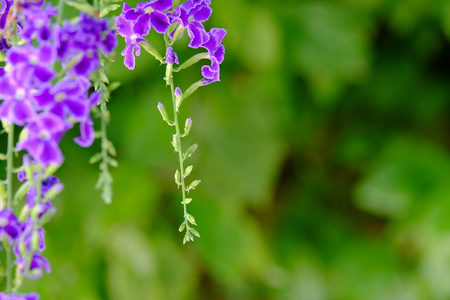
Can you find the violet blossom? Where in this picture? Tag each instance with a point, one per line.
(32, 296)
(10, 227)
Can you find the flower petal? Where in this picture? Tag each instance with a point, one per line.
(159, 21)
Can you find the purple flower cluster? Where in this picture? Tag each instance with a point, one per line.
(135, 23)
(45, 88)
(29, 231)
(27, 238)
(34, 93)
(32, 296)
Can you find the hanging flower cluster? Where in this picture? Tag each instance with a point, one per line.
(172, 20)
(135, 24)
(46, 89)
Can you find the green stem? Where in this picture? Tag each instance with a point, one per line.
(9, 199)
(60, 11)
(104, 165)
(35, 217)
(179, 149)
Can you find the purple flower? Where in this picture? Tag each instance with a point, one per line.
(67, 99)
(32, 296)
(87, 37)
(47, 184)
(39, 60)
(4, 45)
(25, 238)
(177, 92)
(86, 137)
(216, 53)
(125, 29)
(37, 23)
(4, 11)
(149, 14)
(17, 106)
(190, 15)
(135, 23)
(44, 133)
(30, 3)
(171, 57)
(10, 227)
(23, 249)
(38, 265)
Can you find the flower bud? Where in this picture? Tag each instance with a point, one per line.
(178, 98)
(187, 126)
(178, 32)
(163, 112)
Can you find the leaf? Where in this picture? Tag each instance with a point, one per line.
(191, 219)
(194, 232)
(177, 177)
(95, 158)
(175, 142)
(186, 201)
(194, 184)
(83, 6)
(113, 163)
(190, 151)
(111, 149)
(22, 191)
(108, 9)
(188, 171)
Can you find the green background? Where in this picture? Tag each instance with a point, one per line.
(323, 154)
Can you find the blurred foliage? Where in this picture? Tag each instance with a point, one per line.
(324, 159)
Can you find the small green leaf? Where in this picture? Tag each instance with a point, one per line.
(191, 219)
(108, 9)
(194, 232)
(189, 236)
(22, 191)
(194, 184)
(113, 86)
(95, 158)
(190, 151)
(182, 226)
(113, 163)
(83, 6)
(188, 171)
(175, 143)
(111, 149)
(177, 177)
(186, 201)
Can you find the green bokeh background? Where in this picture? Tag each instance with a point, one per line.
(323, 154)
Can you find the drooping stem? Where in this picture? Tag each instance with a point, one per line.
(60, 12)
(177, 145)
(9, 199)
(37, 183)
(106, 178)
